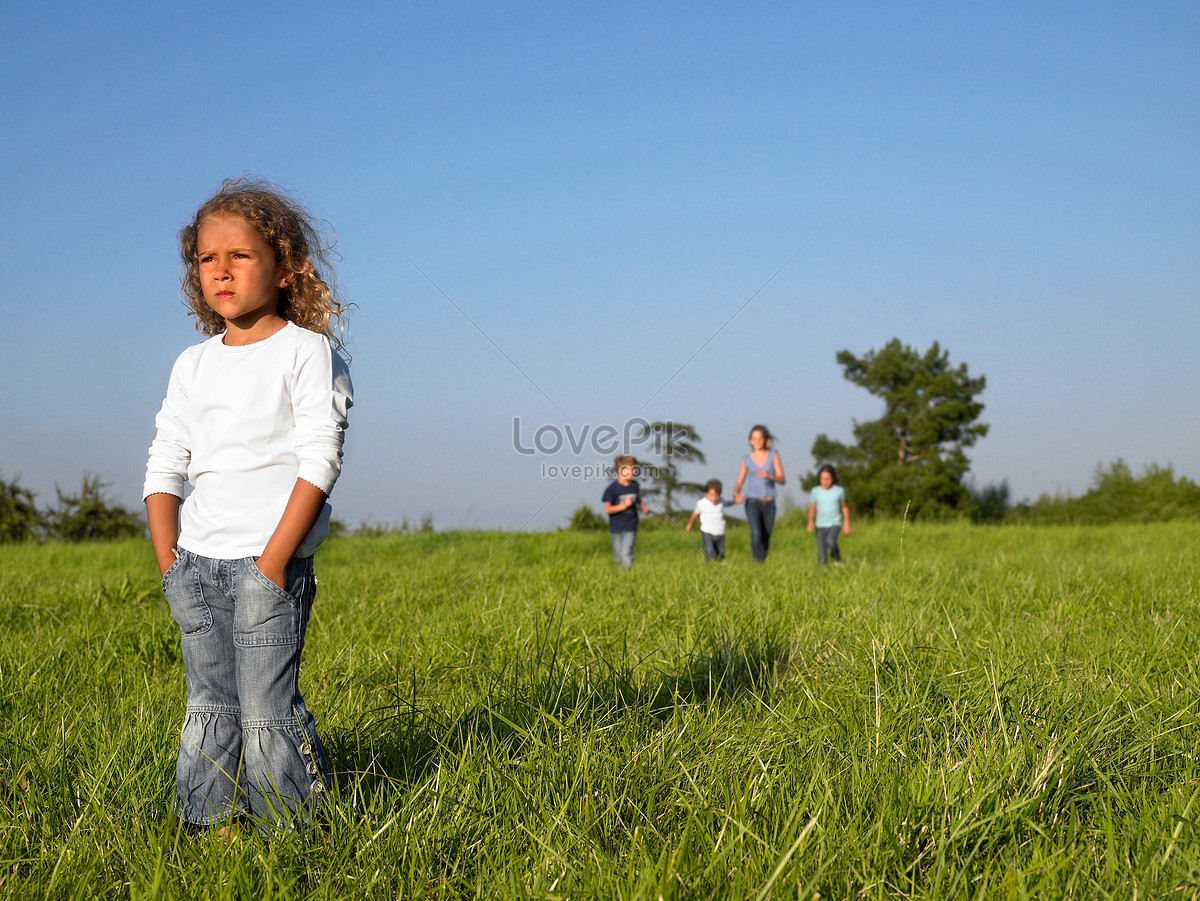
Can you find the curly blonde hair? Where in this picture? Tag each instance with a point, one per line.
(310, 298)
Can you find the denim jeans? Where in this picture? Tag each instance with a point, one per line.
(714, 546)
(827, 543)
(248, 743)
(760, 516)
(622, 545)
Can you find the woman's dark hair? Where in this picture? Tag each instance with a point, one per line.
(768, 438)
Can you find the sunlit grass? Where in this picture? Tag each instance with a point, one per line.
(958, 712)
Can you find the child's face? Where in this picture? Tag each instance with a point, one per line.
(625, 473)
(826, 479)
(239, 276)
(713, 495)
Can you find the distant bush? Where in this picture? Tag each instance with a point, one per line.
(991, 502)
(1118, 496)
(376, 529)
(90, 516)
(586, 519)
(20, 519)
(86, 516)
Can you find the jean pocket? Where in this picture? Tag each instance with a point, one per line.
(185, 596)
(170, 571)
(295, 581)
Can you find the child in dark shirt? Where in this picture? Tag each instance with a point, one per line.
(622, 499)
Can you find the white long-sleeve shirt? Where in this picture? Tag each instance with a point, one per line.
(241, 424)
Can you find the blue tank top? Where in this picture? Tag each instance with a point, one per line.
(754, 484)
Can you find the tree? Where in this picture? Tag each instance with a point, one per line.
(673, 442)
(992, 502)
(20, 519)
(90, 515)
(911, 459)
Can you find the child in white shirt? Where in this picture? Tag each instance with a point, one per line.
(254, 419)
(711, 511)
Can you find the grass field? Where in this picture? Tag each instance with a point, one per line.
(959, 712)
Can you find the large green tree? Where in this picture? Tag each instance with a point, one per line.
(673, 443)
(912, 458)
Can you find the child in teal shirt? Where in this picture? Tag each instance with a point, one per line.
(827, 513)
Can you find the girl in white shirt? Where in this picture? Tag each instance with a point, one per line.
(254, 420)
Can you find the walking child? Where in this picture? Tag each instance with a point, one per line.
(711, 511)
(254, 419)
(622, 499)
(827, 513)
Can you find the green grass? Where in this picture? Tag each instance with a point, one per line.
(959, 712)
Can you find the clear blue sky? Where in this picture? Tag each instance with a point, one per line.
(598, 189)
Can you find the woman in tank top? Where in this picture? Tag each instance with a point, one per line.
(761, 471)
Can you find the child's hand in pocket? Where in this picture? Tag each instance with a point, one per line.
(277, 574)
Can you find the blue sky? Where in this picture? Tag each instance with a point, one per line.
(595, 192)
